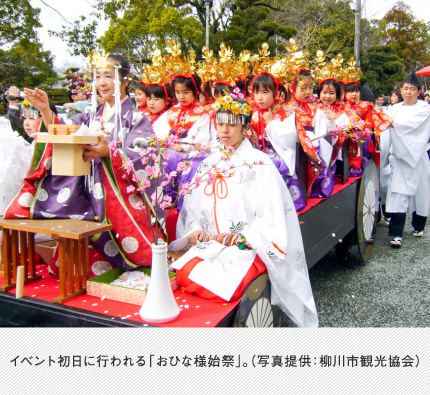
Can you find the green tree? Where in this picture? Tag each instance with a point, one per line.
(25, 64)
(138, 26)
(80, 36)
(146, 25)
(18, 20)
(251, 26)
(382, 68)
(412, 37)
(327, 25)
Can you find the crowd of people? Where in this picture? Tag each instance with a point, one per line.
(232, 126)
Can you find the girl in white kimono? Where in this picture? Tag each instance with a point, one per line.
(241, 222)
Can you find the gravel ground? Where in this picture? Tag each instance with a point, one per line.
(391, 290)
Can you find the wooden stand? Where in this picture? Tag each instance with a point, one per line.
(67, 155)
(72, 236)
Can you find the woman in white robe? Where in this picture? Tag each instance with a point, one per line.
(246, 196)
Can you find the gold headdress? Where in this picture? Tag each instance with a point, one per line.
(207, 68)
(283, 69)
(157, 72)
(175, 64)
(328, 70)
(244, 63)
(224, 70)
(296, 60)
(351, 74)
(95, 60)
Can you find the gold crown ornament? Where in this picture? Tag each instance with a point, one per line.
(95, 60)
(244, 63)
(328, 70)
(157, 72)
(175, 64)
(296, 60)
(351, 74)
(282, 68)
(226, 69)
(207, 68)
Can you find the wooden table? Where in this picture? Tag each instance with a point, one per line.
(72, 236)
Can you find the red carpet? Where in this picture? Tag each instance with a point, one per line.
(196, 312)
(337, 188)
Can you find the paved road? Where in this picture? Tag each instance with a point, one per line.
(391, 290)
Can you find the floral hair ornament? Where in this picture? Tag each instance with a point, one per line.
(27, 110)
(229, 110)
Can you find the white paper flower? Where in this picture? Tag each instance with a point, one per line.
(142, 174)
(77, 216)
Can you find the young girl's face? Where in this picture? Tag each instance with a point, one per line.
(353, 96)
(30, 123)
(202, 99)
(264, 97)
(328, 95)
(184, 95)
(140, 97)
(155, 104)
(303, 89)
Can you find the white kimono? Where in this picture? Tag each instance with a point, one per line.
(199, 132)
(283, 137)
(254, 201)
(410, 166)
(15, 159)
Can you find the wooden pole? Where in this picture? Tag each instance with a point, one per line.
(20, 281)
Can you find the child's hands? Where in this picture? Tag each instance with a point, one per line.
(329, 113)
